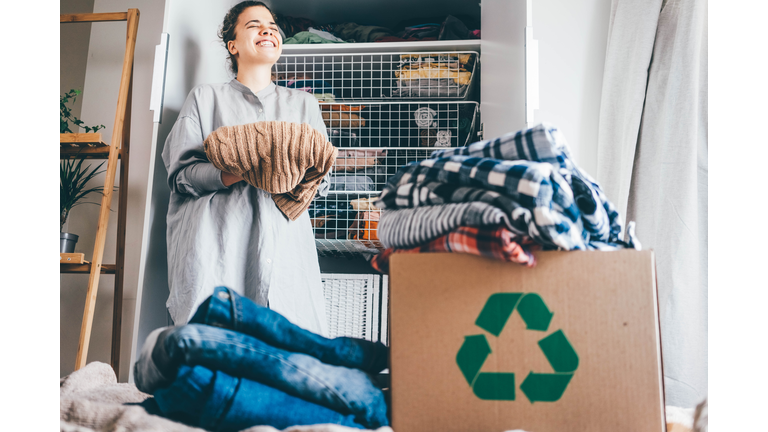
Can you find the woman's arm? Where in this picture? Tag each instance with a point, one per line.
(319, 125)
(189, 171)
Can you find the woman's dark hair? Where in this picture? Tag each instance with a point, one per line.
(227, 31)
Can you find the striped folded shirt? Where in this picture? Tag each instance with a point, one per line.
(492, 242)
(412, 227)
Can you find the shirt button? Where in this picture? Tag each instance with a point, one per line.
(223, 295)
(260, 110)
(269, 261)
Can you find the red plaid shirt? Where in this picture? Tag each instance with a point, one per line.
(497, 243)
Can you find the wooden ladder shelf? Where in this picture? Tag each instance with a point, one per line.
(91, 146)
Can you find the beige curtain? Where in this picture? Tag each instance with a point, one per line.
(652, 162)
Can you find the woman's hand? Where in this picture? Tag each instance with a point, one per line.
(229, 179)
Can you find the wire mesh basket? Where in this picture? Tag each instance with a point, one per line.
(380, 76)
(374, 140)
(353, 305)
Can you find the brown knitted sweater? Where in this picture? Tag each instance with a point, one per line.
(286, 159)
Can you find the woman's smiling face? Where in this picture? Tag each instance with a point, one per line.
(257, 39)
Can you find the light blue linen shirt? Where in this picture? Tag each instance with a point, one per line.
(237, 236)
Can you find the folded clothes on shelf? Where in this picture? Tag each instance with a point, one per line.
(342, 119)
(342, 138)
(355, 160)
(364, 204)
(351, 183)
(334, 225)
(445, 87)
(310, 37)
(325, 97)
(353, 32)
(354, 164)
(447, 59)
(325, 34)
(364, 228)
(460, 75)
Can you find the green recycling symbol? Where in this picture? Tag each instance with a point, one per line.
(537, 387)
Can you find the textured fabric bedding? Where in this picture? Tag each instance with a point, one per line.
(91, 400)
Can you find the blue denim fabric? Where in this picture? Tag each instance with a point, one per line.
(216, 401)
(341, 389)
(227, 309)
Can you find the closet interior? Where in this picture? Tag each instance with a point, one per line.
(384, 104)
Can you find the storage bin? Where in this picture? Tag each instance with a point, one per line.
(381, 76)
(374, 140)
(356, 305)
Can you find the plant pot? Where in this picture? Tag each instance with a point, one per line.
(68, 242)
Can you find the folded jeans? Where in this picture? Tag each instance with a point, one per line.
(341, 389)
(216, 401)
(229, 310)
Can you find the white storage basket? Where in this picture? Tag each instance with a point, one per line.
(381, 76)
(373, 144)
(354, 306)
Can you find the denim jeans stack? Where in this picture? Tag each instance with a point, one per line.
(237, 364)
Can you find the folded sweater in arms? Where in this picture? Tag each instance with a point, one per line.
(288, 160)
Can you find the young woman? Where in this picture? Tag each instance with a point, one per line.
(221, 230)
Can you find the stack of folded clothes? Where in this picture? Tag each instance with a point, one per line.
(433, 75)
(237, 364)
(433, 28)
(365, 226)
(346, 219)
(356, 160)
(331, 218)
(500, 198)
(342, 116)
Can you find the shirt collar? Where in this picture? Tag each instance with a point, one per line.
(269, 89)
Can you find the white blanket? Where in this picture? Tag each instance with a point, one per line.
(91, 400)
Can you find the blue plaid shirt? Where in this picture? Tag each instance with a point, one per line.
(558, 205)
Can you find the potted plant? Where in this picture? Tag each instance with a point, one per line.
(73, 189)
(73, 176)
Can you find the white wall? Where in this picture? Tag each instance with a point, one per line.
(102, 78)
(572, 37)
(73, 51)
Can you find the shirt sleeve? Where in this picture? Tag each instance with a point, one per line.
(189, 171)
(318, 123)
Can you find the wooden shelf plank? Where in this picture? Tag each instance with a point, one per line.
(84, 146)
(85, 268)
(86, 152)
(73, 258)
(94, 139)
(94, 17)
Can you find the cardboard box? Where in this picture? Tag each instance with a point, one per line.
(479, 345)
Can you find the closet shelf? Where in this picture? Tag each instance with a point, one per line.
(381, 47)
(83, 146)
(86, 268)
